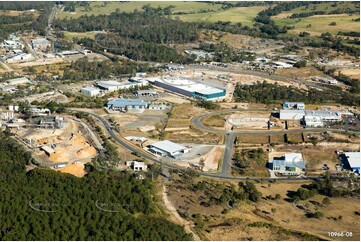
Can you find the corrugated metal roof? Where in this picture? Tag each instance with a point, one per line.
(353, 159)
(168, 146)
(122, 103)
(290, 160)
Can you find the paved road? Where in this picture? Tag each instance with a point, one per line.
(197, 122)
(148, 156)
(6, 67)
(231, 135)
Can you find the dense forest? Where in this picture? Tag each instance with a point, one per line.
(83, 69)
(274, 93)
(42, 204)
(137, 35)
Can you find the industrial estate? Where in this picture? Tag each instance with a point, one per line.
(180, 121)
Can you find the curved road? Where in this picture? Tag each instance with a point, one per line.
(231, 135)
(156, 160)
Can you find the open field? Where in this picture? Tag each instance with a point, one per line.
(242, 15)
(253, 139)
(289, 216)
(286, 222)
(100, 8)
(320, 24)
(214, 120)
(295, 137)
(326, 6)
(70, 35)
(353, 73)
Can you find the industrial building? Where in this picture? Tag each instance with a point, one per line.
(289, 164)
(19, 57)
(159, 107)
(112, 86)
(168, 148)
(294, 105)
(148, 92)
(127, 104)
(90, 91)
(40, 43)
(18, 81)
(40, 111)
(292, 114)
(189, 88)
(51, 122)
(311, 118)
(137, 165)
(9, 89)
(351, 161)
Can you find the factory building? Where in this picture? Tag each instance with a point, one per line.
(18, 81)
(294, 105)
(292, 114)
(289, 164)
(159, 107)
(40, 43)
(148, 92)
(351, 161)
(189, 88)
(19, 57)
(126, 104)
(90, 91)
(316, 118)
(112, 86)
(168, 148)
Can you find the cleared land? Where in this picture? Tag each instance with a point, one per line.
(101, 8)
(70, 35)
(242, 15)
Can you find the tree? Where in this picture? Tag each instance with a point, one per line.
(300, 64)
(326, 201)
(278, 196)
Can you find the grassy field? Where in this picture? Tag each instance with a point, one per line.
(70, 35)
(320, 24)
(252, 139)
(215, 120)
(242, 15)
(326, 6)
(99, 8)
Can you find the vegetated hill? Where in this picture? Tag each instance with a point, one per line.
(138, 35)
(46, 205)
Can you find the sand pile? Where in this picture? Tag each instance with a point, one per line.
(86, 152)
(74, 169)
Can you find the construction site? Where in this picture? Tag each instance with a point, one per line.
(66, 146)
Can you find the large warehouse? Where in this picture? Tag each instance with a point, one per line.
(189, 88)
(168, 148)
(112, 86)
(351, 160)
(120, 104)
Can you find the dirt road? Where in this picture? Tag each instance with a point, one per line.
(175, 217)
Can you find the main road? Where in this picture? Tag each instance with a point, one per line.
(222, 175)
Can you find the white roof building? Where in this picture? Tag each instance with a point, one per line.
(292, 114)
(189, 88)
(137, 165)
(168, 148)
(18, 81)
(90, 91)
(353, 160)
